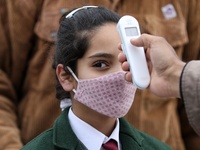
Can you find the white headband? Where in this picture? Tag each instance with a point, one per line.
(74, 11)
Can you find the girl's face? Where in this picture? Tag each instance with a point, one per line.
(102, 56)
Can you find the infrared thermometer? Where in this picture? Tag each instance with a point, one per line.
(128, 28)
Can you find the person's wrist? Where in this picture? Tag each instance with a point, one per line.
(174, 78)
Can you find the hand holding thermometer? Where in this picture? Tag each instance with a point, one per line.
(128, 28)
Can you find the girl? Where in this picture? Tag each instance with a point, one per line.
(88, 70)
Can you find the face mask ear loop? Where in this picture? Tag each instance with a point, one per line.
(70, 70)
(74, 90)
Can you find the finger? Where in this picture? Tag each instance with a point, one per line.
(120, 46)
(121, 57)
(143, 41)
(125, 66)
(128, 77)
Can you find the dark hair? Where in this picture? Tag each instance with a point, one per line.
(74, 34)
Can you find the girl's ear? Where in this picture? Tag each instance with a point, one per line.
(65, 79)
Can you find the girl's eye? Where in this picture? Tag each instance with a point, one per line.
(100, 64)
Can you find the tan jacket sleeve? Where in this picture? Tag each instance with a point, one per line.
(191, 93)
(9, 131)
(12, 63)
(192, 48)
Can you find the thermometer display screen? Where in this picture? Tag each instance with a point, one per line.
(131, 31)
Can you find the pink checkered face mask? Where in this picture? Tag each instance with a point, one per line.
(110, 95)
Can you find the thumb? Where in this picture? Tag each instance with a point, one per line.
(142, 41)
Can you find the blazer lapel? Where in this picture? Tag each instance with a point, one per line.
(63, 135)
(129, 137)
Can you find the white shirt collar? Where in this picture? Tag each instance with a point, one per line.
(88, 135)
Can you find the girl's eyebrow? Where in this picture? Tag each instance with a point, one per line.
(105, 55)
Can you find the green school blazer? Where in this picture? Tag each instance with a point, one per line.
(62, 137)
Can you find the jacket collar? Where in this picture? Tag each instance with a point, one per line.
(64, 137)
(129, 136)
